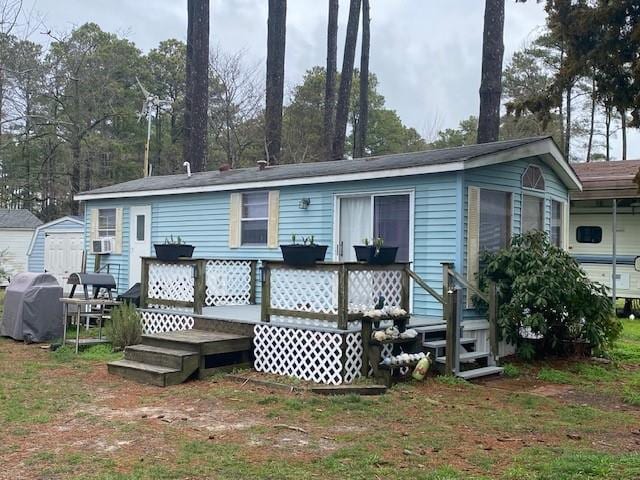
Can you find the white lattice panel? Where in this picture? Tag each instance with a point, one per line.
(311, 322)
(304, 290)
(228, 282)
(365, 286)
(159, 322)
(306, 354)
(171, 282)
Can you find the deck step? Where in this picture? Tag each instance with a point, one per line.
(480, 372)
(145, 373)
(438, 327)
(466, 357)
(443, 343)
(200, 341)
(163, 357)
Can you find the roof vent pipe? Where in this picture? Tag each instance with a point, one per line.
(188, 165)
(262, 164)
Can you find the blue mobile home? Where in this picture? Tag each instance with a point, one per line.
(436, 206)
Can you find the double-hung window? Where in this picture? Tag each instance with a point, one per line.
(254, 221)
(557, 226)
(106, 222)
(532, 213)
(495, 220)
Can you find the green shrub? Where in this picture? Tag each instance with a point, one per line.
(544, 294)
(511, 370)
(125, 327)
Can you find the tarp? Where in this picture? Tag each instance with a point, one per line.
(32, 308)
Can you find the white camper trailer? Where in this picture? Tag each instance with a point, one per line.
(605, 227)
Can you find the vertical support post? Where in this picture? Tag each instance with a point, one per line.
(265, 300)
(343, 297)
(493, 322)
(97, 260)
(405, 289)
(144, 283)
(252, 282)
(199, 285)
(458, 328)
(450, 308)
(614, 267)
(446, 266)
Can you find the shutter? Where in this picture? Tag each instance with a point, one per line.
(473, 239)
(235, 206)
(274, 219)
(119, 225)
(93, 227)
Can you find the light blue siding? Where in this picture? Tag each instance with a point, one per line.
(36, 258)
(439, 216)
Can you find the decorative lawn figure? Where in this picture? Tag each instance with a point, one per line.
(547, 303)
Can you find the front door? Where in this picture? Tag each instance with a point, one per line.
(139, 240)
(372, 215)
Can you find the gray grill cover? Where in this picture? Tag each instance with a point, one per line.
(32, 308)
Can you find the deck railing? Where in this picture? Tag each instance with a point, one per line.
(329, 293)
(193, 283)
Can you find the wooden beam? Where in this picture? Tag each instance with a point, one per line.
(265, 300)
(493, 320)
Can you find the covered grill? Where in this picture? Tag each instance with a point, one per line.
(32, 308)
(97, 281)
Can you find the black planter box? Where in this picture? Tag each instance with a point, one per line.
(303, 255)
(170, 251)
(367, 253)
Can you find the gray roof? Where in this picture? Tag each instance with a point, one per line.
(317, 169)
(20, 218)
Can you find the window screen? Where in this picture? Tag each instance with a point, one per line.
(106, 222)
(532, 213)
(391, 222)
(556, 223)
(255, 218)
(495, 220)
(587, 234)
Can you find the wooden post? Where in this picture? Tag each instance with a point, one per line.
(144, 284)
(265, 300)
(405, 290)
(493, 321)
(199, 285)
(451, 312)
(446, 266)
(252, 286)
(343, 297)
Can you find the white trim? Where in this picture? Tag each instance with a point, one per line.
(545, 149)
(51, 223)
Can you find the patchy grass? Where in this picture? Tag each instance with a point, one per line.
(511, 370)
(63, 416)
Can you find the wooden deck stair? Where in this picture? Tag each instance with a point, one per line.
(170, 358)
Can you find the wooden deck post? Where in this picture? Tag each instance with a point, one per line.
(199, 285)
(144, 284)
(252, 286)
(446, 266)
(265, 300)
(493, 321)
(343, 297)
(405, 289)
(451, 300)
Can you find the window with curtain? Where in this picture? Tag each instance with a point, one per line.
(532, 213)
(495, 220)
(556, 223)
(391, 222)
(254, 222)
(106, 222)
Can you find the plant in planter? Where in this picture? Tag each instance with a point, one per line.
(303, 254)
(375, 253)
(172, 249)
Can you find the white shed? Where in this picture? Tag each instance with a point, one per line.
(16, 229)
(56, 248)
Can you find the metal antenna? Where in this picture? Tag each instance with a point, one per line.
(152, 105)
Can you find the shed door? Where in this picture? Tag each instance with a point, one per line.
(139, 240)
(63, 254)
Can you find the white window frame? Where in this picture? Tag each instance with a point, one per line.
(562, 238)
(511, 212)
(540, 195)
(100, 232)
(249, 219)
(533, 189)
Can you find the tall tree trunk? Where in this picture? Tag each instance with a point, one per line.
(276, 44)
(567, 138)
(363, 116)
(491, 82)
(346, 77)
(75, 174)
(197, 86)
(607, 123)
(593, 117)
(330, 81)
(623, 118)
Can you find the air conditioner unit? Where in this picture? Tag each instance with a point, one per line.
(102, 246)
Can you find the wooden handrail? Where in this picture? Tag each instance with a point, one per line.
(418, 279)
(463, 281)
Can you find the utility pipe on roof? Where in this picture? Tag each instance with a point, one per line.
(614, 252)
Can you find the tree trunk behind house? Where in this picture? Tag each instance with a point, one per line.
(491, 81)
(623, 126)
(330, 81)
(197, 85)
(276, 42)
(346, 76)
(363, 117)
(567, 138)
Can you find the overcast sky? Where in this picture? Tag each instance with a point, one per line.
(426, 53)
